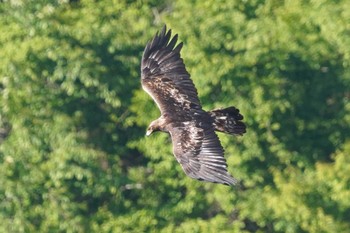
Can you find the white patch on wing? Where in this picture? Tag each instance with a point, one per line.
(194, 132)
(176, 94)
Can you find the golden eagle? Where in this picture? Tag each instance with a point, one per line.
(195, 144)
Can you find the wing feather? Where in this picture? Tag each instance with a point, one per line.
(200, 153)
(164, 76)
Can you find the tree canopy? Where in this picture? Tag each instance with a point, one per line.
(73, 156)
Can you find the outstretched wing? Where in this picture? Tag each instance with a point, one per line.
(197, 148)
(164, 76)
(195, 144)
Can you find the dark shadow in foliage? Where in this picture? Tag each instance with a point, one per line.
(104, 133)
(312, 126)
(5, 129)
(329, 206)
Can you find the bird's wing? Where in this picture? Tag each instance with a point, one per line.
(164, 76)
(197, 148)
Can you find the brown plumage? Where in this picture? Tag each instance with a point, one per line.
(195, 144)
(228, 120)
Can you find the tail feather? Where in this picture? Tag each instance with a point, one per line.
(228, 120)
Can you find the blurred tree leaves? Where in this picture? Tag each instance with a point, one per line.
(73, 156)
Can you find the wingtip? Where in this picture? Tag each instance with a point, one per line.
(178, 47)
(163, 30)
(232, 182)
(226, 179)
(160, 40)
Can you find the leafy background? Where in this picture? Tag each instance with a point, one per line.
(73, 156)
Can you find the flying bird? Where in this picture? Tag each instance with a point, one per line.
(195, 144)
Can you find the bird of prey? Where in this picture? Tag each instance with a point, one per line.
(195, 144)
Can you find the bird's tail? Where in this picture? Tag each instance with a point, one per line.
(228, 120)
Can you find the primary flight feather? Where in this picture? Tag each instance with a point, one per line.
(195, 144)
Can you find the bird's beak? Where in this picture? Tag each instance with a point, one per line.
(148, 133)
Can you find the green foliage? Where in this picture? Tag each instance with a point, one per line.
(73, 156)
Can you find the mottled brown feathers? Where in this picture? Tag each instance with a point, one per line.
(228, 120)
(195, 143)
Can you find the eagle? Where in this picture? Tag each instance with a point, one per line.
(195, 144)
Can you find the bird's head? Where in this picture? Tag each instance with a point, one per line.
(153, 127)
(149, 131)
(156, 125)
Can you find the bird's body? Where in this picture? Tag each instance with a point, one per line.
(195, 143)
